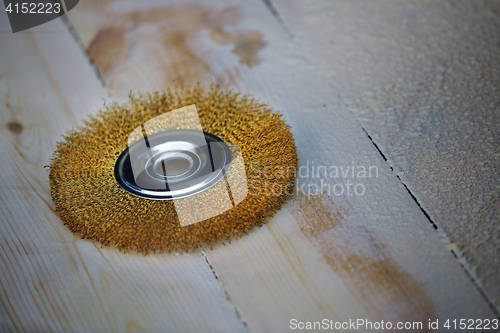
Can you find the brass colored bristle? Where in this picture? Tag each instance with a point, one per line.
(91, 202)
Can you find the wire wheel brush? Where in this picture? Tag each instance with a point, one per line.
(173, 171)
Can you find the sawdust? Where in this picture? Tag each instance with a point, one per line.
(362, 261)
(166, 36)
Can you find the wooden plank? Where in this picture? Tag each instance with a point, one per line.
(51, 280)
(423, 80)
(373, 256)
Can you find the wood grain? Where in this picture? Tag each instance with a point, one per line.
(372, 256)
(51, 280)
(383, 260)
(423, 80)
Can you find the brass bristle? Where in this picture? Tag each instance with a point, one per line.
(91, 202)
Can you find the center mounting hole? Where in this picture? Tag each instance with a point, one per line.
(172, 166)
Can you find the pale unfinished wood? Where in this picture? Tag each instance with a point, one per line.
(374, 256)
(50, 280)
(423, 80)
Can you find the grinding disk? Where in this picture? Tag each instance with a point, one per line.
(258, 157)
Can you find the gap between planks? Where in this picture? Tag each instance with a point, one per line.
(230, 272)
(459, 257)
(79, 42)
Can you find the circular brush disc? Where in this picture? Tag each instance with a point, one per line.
(92, 203)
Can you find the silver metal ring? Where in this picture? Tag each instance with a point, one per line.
(172, 164)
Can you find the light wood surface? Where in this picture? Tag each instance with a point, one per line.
(374, 256)
(423, 80)
(50, 280)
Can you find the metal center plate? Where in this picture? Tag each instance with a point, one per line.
(172, 164)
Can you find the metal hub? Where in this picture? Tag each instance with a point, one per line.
(172, 164)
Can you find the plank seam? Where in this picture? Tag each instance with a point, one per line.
(409, 192)
(478, 287)
(444, 236)
(468, 271)
(278, 18)
(82, 47)
(228, 298)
